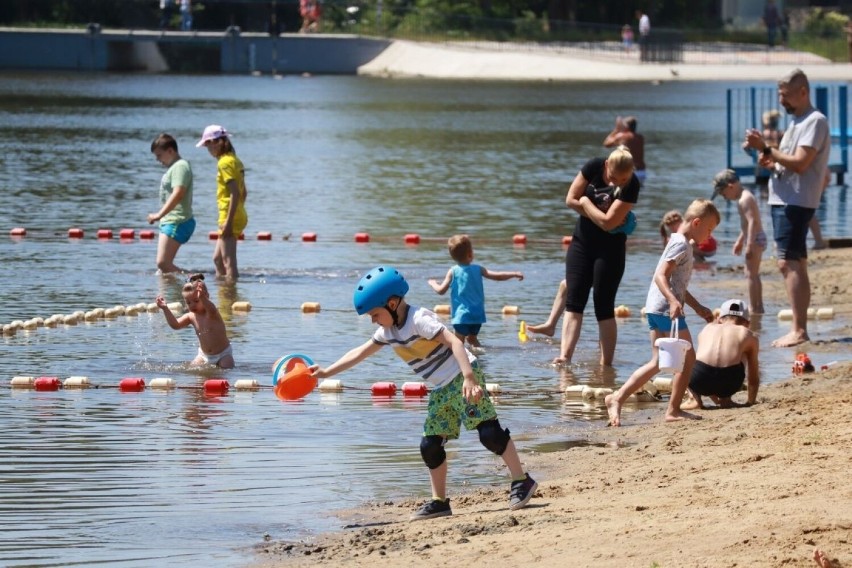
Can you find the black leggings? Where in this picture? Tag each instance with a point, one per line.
(599, 265)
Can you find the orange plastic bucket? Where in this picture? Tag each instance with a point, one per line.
(292, 379)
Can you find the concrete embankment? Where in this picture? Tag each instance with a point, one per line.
(190, 52)
(456, 61)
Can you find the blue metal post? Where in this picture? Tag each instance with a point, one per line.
(730, 132)
(843, 115)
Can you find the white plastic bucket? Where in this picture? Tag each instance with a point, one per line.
(672, 351)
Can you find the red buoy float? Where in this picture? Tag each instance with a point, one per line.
(18, 232)
(383, 389)
(519, 239)
(264, 236)
(362, 237)
(213, 235)
(146, 234)
(309, 237)
(216, 386)
(75, 233)
(127, 234)
(566, 240)
(104, 233)
(412, 239)
(47, 384)
(414, 389)
(132, 384)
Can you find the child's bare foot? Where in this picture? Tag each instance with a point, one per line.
(691, 404)
(547, 329)
(680, 415)
(791, 339)
(560, 362)
(821, 559)
(473, 341)
(613, 409)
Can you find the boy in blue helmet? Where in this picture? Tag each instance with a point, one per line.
(458, 385)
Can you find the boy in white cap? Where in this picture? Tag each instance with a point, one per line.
(726, 356)
(751, 241)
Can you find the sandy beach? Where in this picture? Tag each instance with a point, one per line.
(759, 486)
(407, 59)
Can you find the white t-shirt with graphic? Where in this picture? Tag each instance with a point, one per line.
(414, 342)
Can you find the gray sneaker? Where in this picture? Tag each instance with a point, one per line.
(521, 492)
(432, 509)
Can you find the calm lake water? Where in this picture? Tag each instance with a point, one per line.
(150, 478)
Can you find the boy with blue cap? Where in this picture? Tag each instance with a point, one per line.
(458, 385)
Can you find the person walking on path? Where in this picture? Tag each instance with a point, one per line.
(175, 214)
(772, 21)
(186, 15)
(798, 173)
(644, 34)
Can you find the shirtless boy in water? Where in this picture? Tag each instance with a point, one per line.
(214, 348)
(726, 355)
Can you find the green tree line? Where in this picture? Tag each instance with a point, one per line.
(254, 14)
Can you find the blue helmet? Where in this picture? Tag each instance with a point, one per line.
(376, 287)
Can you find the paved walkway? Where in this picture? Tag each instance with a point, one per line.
(507, 62)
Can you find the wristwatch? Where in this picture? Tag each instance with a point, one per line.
(767, 151)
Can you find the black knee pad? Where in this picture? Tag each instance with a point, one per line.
(493, 437)
(432, 451)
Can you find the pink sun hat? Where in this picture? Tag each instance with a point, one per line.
(213, 132)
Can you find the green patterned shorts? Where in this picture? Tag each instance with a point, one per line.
(448, 408)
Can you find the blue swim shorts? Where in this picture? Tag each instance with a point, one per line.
(179, 231)
(790, 225)
(467, 328)
(657, 322)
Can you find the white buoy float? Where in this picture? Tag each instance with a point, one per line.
(76, 383)
(162, 383)
(22, 382)
(247, 384)
(825, 313)
(330, 385)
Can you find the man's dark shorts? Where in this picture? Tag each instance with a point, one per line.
(790, 225)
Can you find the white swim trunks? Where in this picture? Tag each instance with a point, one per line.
(214, 359)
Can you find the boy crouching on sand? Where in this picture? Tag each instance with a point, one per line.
(458, 384)
(666, 297)
(726, 348)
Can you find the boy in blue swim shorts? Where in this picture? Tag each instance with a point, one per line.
(664, 306)
(458, 392)
(175, 214)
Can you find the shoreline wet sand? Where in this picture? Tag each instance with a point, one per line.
(759, 486)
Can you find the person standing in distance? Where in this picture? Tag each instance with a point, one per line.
(624, 133)
(644, 33)
(798, 172)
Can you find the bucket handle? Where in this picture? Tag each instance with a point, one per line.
(673, 333)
